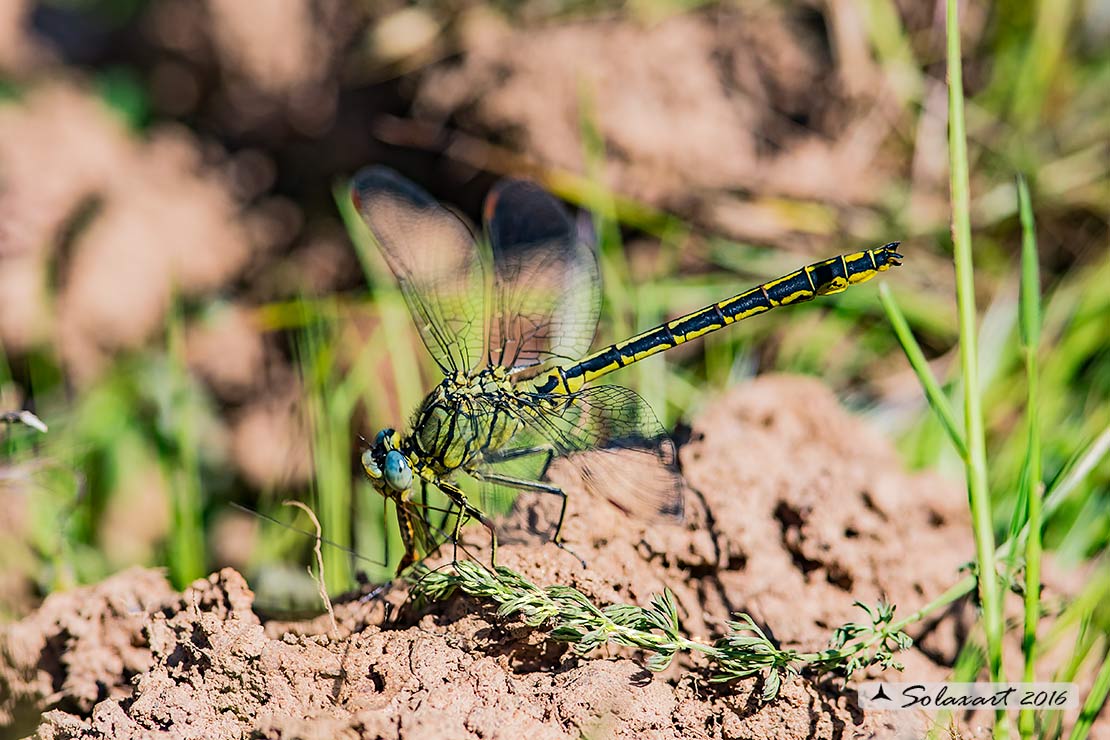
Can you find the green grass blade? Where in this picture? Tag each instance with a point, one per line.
(186, 546)
(331, 479)
(933, 392)
(1030, 296)
(396, 339)
(618, 301)
(395, 320)
(978, 493)
(1075, 622)
(1032, 489)
(1076, 472)
(1093, 705)
(1042, 58)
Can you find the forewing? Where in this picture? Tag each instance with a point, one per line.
(621, 449)
(435, 260)
(546, 286)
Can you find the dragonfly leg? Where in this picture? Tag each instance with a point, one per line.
(500, 456)
(539, 487)
(469, 511)
(446, 513)
(524, 484)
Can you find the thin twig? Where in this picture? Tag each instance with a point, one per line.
(319, 576)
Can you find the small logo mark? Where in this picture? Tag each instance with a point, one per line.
(880, 695)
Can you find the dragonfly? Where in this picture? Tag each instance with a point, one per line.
(509, 316)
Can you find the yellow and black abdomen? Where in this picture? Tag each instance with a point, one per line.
(821, 278)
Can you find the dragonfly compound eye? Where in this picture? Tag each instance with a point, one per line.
(385, 437)
(398, 473)
(370, 466)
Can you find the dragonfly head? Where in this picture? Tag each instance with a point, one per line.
(387, 466)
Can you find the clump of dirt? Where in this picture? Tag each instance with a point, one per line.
(795, 509)
(80, 648)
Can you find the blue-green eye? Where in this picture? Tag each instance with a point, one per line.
(398, 474)
(370, 466)
(383, 436)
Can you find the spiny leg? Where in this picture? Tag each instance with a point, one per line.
(446, 512)
(428, 508)
(538, 487)
(417, 531)
(467, 509)
(502, 456)
(548, 452)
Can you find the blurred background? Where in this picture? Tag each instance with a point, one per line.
(188, 303)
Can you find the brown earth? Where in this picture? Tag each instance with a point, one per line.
(795, 510)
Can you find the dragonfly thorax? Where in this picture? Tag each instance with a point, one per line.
(455, 425)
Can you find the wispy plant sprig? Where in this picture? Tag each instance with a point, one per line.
(745, 651)
(25, 418)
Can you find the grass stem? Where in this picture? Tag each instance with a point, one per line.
(1093, 705)
(186, 544)
(1033, 493)
(976, 465)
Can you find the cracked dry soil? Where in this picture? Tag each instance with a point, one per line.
(795, 509)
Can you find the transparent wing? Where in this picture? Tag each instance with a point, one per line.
(432, 253)
(546, 287)
(614, 438)
(526, 461)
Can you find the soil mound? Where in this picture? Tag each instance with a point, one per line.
(795, 510)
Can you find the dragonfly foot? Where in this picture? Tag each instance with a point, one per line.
(566, 549)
